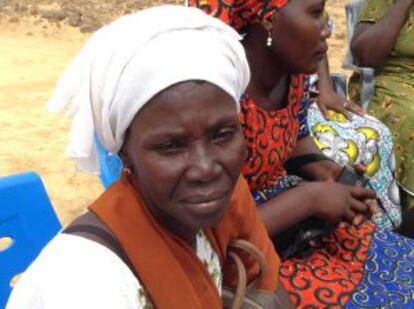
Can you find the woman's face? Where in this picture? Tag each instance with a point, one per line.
(299, 35)
(185, 149)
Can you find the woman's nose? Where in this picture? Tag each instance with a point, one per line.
(326, 31)
(203, 165)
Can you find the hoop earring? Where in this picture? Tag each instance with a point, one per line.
(269, 40)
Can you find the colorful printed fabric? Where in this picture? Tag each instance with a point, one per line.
(361, 140)
(262, 195)
(355, 267)
(350, 266)
(303, 112)
(271, 136)
(331, 273)
(393, 99)
(239, 13)
(388, 275)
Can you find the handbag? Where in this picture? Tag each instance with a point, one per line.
(298, 239)
(248, 296)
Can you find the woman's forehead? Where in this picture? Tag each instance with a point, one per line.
(194, 92)
(184, 103)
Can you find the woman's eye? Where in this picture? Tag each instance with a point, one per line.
(224, 135)
(169, 148)
(317, 14)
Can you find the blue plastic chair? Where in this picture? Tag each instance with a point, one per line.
(27, 223)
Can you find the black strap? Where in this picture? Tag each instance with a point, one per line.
(294, 164)
(91, 227)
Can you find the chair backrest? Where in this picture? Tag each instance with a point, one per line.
(352, 10)
(339, 84)
(27, 223)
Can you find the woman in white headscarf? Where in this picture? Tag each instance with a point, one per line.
(159, 236)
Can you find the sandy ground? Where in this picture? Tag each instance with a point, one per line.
(33, 55)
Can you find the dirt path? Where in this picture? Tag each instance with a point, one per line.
(34, 51)
(32, 138)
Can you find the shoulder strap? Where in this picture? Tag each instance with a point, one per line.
(91, 227)
(295, 163)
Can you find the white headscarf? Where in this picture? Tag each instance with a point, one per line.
(128, 62)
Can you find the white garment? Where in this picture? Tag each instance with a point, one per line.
(128, 62)
(74, 272)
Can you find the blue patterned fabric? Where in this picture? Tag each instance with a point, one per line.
(388, 280)
(261, 196)
(303, 112)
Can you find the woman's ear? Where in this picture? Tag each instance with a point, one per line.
(124, 157)
(123, 152)
(268, 25)
(126, 162)
(271, 23)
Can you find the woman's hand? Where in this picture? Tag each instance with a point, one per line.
(335, 171)
(335, 202)
(330, 100)
(373, 208)
(372, 205)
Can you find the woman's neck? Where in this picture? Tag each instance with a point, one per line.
(186, 234)
(269, 80)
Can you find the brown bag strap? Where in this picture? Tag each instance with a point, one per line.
(242, 286)
(241, 281)
(251, 249)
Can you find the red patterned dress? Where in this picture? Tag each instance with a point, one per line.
(271, 137)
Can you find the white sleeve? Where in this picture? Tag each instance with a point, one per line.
(74, 272)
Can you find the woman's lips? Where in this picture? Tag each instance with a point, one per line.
(322, 51)
(205, 204)
(319, 55)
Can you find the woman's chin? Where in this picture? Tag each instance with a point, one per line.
(307, 69)
(311, 69)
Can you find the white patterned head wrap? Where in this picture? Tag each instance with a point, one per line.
(128, 62)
